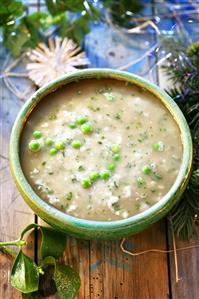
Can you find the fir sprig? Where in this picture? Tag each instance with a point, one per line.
(183, 69)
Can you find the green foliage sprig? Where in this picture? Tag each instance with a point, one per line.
(183, 69)
(31, 279)
(22, 31)
(70, 18)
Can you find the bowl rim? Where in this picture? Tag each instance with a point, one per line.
(49, 212)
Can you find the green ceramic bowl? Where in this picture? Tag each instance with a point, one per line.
(100, 229)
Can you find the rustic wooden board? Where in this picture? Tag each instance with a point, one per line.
(187, 260)
(14, 213)
(106, 272)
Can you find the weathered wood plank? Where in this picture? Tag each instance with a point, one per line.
(14, 213)
(77, 255)
(108, 273)
(188, 260)
(187, 265)
(144, 276)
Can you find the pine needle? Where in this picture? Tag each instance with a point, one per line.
(183, 69)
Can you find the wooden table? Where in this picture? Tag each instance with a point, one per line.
(106, 272)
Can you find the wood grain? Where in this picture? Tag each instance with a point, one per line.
(188, 263)
(188, 260)
(14, 213)
(106, 272)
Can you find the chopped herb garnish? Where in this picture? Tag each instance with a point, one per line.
(116, 206)
(98, 130)
(143, 136)
(116, 184)
(129, 165)
(81, 168)
(109, 96)
(43, 163)
(73, 179)
(140, 182)
(93, 108)
(117, 116)
(93, 98)
(52, 116)
(69, 196)
(157, 175)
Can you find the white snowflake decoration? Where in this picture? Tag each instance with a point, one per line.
(48, 63)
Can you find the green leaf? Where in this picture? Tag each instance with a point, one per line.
(9, 9)
(24, 274)
(53, 243)
(80, 29)
(15, 38)
(122, 11)
(27, 228)
(58, 6)
(66, 279)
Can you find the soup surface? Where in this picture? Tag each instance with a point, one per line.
(101, 149)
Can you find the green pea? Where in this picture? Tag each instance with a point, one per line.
(49, 141)
(60, 145)
(53, 151)
(86, 183)
(87, 128)
(37, 134)
(116, 157)
(76, 144)
(94, 176)
(111, 166)
(105, 175)
(34, 146)
(140, 182)
(81, 120)
(115, 148)
(72, 125)
(146, 169)
(156, 146)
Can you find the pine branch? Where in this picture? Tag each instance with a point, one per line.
(183, 70)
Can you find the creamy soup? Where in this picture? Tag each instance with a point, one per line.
(101, 149)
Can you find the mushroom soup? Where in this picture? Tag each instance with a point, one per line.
(101, 149)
